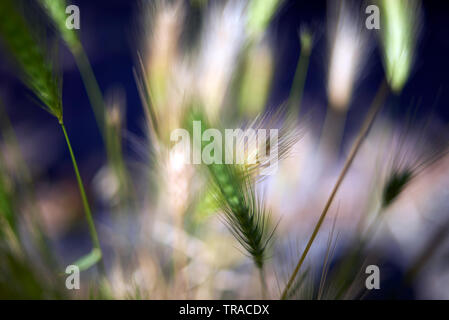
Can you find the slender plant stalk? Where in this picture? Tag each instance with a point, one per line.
(297, 90)
(90, 221)
(89, 218)
(114, 150)
(374, 109)
(115, 157)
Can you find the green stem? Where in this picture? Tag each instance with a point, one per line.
(90, 220)
(97, 103)
(296, 92)
(263, 282)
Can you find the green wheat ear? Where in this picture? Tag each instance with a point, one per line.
(244, 213)
(37, 70)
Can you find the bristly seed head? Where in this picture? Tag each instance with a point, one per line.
(395, 184)
(244, 213)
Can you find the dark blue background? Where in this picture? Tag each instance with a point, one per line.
(109, 34)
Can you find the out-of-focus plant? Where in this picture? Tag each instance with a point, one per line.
(347, 52)
(297, 89)
(397, 60)
(160, 37)
(122, 193)
(23, 180)
(8, 218)
(56, 10)
(226, 68)
(399, 35)
(257, 76)
(39, 74)
(260, 13)
(222, 40)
